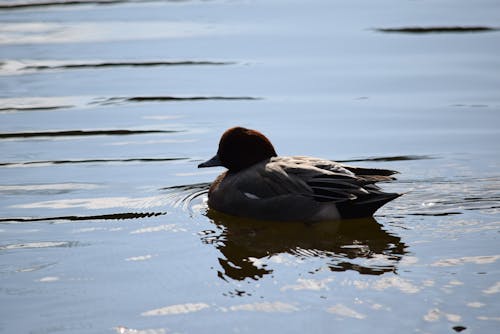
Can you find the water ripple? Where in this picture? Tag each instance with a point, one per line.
(444, 197)
(189, 197)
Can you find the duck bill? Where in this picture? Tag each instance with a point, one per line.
(214, 161)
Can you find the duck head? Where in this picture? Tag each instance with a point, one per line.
(240, 148)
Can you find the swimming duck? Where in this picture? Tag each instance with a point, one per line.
(259, 184)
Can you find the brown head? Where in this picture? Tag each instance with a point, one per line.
(240, 148)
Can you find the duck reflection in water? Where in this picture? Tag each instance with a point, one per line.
(361, 245)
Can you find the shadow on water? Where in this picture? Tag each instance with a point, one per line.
(360, 245)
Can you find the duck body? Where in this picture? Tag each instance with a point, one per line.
(265, 186)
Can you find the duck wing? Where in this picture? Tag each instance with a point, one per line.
(354, 192)
(321, 180)
(352, 189)
(360, 171)
(328, 181)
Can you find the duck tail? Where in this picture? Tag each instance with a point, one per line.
(365, 206)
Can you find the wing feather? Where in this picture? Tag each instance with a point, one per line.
(321, 180)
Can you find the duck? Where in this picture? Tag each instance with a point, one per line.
(260, 185)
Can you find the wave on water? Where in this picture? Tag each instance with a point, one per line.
(118, 100)
(112, 216)
(85, 161)
(442, 197)
(12, 67)
(188, 198)
(71, 133)
(21, 108)
(56, 103)
(14, 104)
(42, 3)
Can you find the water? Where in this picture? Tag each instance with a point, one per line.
(107, 107)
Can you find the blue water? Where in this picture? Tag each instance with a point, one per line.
(106, 109)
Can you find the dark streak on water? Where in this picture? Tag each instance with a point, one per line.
(86, 161)
(34, 108)
(22, 5)
(70, 133)
(113, 216)
(124, 64)
(134, 99)
(116, 100)
(437, 29)
(434, 214)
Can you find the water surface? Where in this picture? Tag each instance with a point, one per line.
(107, 107)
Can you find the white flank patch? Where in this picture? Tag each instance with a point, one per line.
(251, 196)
